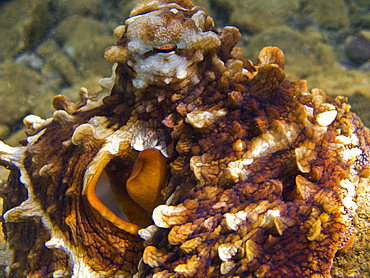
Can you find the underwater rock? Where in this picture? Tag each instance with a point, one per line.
(308, 56)
(304, 48)
(65, 8)
(17, 95)
(256, 16)
(357, 47)
(58, 69)
(328, 15)
(83, 39)
(220, 166)
(23, 24)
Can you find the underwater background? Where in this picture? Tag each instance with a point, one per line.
(51, 47)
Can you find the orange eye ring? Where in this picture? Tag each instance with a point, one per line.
(167, 48)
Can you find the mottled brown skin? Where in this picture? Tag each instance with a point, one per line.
(30, 256)
(257, 102)
(272, 180)
(59, 188)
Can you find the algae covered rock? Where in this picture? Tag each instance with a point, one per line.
(255, 16)
(307, 53)
(328, 14)
(65, 8)
(20, 87)
(84, 40)
(23, 23)
(58, 69)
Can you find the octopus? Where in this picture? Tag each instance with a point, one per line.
(215, 166)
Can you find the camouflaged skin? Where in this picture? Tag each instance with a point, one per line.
(262, 172)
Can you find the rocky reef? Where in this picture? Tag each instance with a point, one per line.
(190, 161)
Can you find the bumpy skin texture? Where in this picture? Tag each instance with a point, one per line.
(261, 173)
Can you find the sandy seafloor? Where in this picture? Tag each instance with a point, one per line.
(51, 47)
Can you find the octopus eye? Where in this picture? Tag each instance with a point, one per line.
(167, 48)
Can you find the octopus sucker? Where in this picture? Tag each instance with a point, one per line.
(213, 165)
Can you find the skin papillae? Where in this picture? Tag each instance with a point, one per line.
(222, 167)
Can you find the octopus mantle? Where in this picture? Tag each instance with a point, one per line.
(219, 167)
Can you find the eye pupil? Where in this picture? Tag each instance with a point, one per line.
(165, 49)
